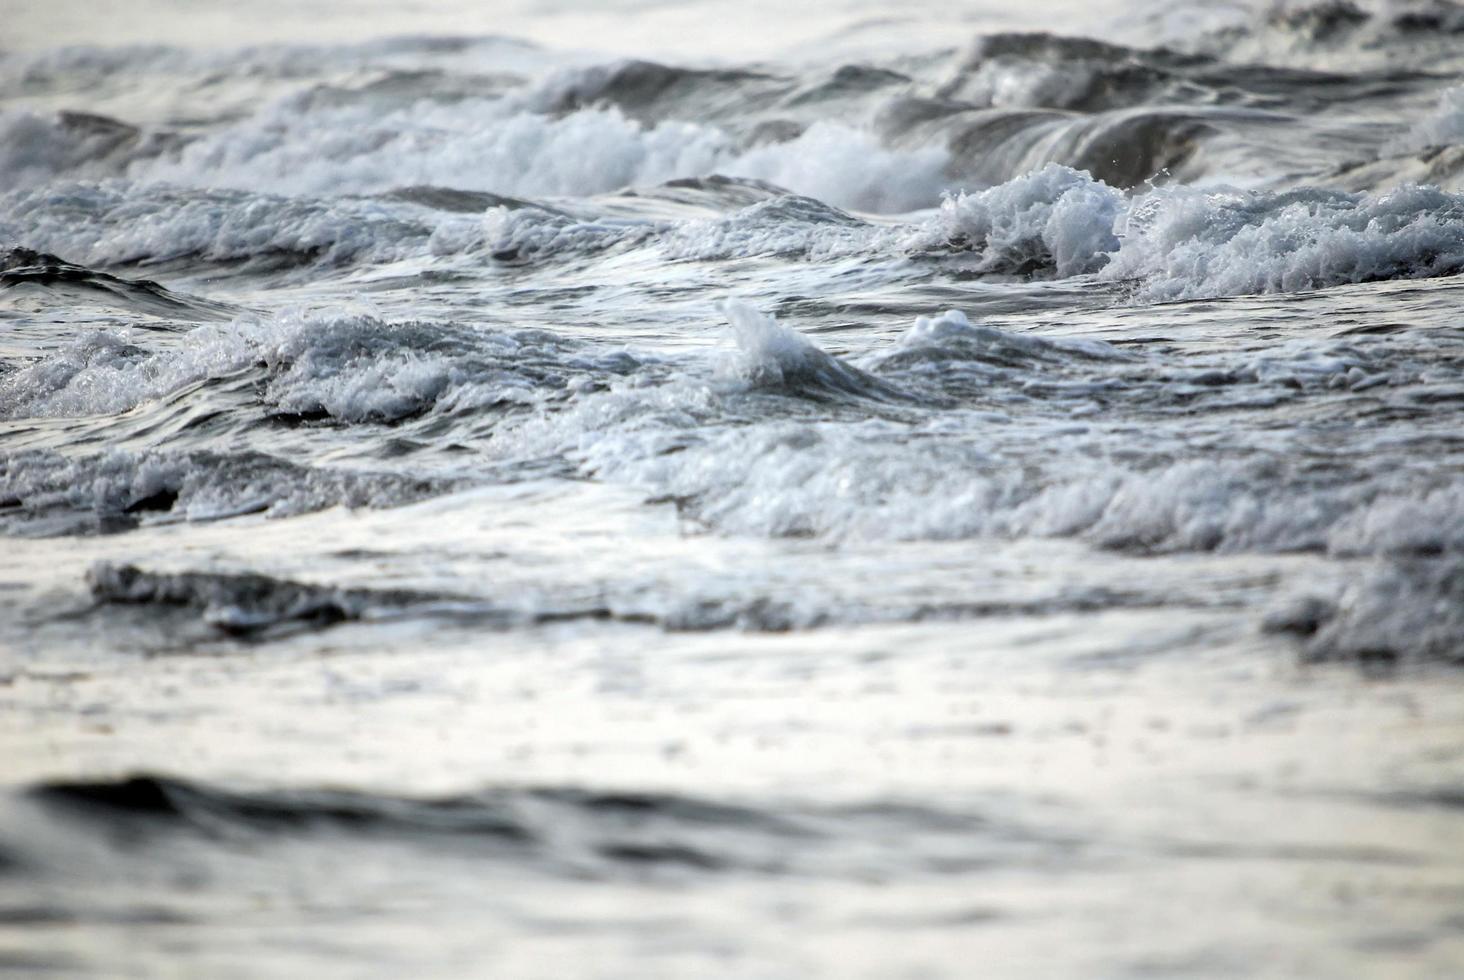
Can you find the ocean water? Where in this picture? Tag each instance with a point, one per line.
(711, 489)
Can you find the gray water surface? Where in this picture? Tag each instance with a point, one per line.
(626, 492)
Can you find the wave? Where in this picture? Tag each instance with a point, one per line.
(1435, 166)
(49, 280)
(514, 235)
(849, 168)
(714, 195)
(1161, 244)
(531, 144)
(1444, 127)
(908, 475)
(1341, 37)
(1165, 244)
(454, 200)
(1055, 219)
(651, 92)
(1393, 612)
(36, 147)
(774, 358)
(795, 480)
(430, 114)
(252, 605)
(347, 368)
(172, 90)
(1187, 244)
(939, 350)
(1017, 101)
(299, 147)
(756, 105)
(789, 226)
(296, 148)
(194, 607)
(116, 223)
(189, 609)
(897, 474)
(562, 829)
(1429, 151)
(1343, 34)
(45, 494)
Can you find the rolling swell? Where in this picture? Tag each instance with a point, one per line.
(38, 147)
(23, 271)
(562, 829)
(649, 92)
(1037, 70)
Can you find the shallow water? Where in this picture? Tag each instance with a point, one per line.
(619, 492)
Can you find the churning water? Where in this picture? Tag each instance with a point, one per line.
(679, 490)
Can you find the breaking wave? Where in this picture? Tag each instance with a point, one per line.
(1188, 243)
(902, 477)
(351, 368)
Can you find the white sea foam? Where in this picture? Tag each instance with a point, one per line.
(940, 476)
(1388, 610)
(1184, 243)
(1443, 127)
(1429, 522)
(305, 146)
(883, 480)
(1054, 218)
(848, 168)
(1188, 243)
(786, 225)
(484, 145)
(772, 356)
(298, 147)
(770, 351)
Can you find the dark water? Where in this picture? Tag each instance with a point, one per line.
(626, 492)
